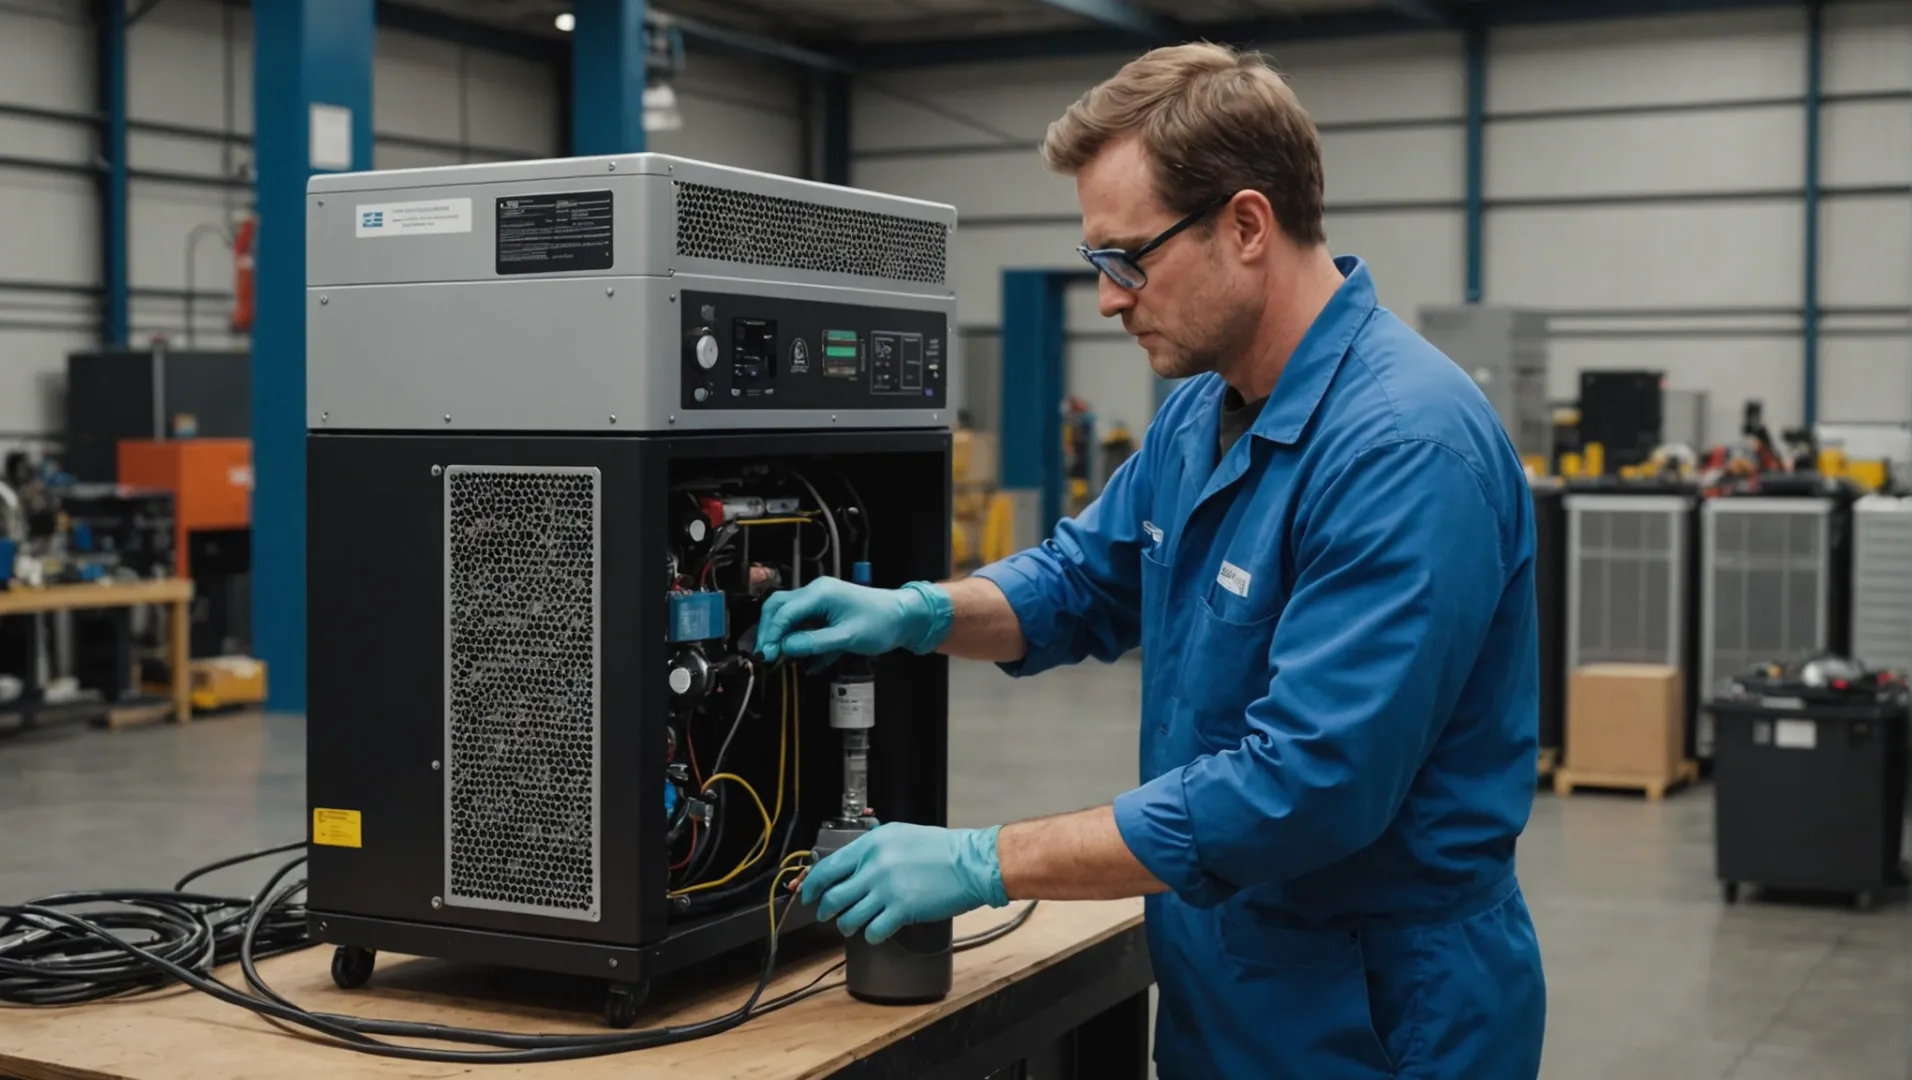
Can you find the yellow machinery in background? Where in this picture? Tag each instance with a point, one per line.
(982, 529)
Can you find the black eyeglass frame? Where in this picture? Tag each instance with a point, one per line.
(1104, 259)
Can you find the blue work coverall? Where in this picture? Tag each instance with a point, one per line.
(1339, 710)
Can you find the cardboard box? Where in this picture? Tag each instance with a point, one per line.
(1627, 720)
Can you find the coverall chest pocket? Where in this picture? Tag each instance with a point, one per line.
(1224, 668)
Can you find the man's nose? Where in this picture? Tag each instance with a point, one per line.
(1112, 299)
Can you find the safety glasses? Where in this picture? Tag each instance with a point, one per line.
(1124, 266)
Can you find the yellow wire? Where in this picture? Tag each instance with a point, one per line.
(785, 868)
(774, 521)
(742, 866)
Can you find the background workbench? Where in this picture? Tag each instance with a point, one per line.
(176, 594)
(1069, 989)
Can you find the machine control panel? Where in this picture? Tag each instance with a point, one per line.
(758, 352)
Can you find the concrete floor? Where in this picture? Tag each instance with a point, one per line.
(1649, 975)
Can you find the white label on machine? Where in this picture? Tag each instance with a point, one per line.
(1795, 734)
(414, 218)
(853, 705)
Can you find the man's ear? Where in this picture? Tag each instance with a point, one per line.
(1250, 221)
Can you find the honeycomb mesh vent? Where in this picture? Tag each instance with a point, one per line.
(521, 695)
(738, 226)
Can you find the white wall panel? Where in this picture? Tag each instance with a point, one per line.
(1394, 166)
(970, 104)
(1730, 370)
(1674, 256)
(44, 140)
(165, 215)
(1866, 142)
(49, 227)
(1112, 376)
(1865, 378)
(511, 104)
(1732, 150)
(1652, 61)
(977, 184)
(1415, 77)
(984, 252)
(415, 86)
(33, 377)
(1416, 259)
(47, 60)
(737, 114)
(1865, 251)
(176, 63)
(387, 155)
(1868, 46)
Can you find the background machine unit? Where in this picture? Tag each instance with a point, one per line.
(1623, 411)
(1882, 582)
(1775, 585)
(570, 422)
(152, 393)
(1631, 593)
(1506, 352)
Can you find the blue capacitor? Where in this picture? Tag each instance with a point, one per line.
(696, 616)
(860, 573)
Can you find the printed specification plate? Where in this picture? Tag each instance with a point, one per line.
(550, 234)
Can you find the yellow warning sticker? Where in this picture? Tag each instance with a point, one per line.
(335, 828)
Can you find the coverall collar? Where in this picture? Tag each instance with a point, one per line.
(1304, 382)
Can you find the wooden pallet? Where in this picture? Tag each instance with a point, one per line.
(1549, 761)
(1654, 787)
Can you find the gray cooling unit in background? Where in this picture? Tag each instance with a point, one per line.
(1882, 582)
(1628, 586)
(1769, 585)
(1505, 351)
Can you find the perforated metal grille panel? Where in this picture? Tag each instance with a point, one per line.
(738, 226)
(522, 571)
(1626, 569)
(1882, 582)
(1768, 594)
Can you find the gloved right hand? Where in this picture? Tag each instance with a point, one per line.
(856, 619)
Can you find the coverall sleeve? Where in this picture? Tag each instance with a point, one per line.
(1079, 593)
(1398, 573)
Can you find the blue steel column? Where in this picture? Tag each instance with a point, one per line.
(309, 52)
(608, 75)
(115, 197)
(1809, 321)
(1476, 155)
(1032, 387)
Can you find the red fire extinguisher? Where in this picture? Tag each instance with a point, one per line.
(242, 238)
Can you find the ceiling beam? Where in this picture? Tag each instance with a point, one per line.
(1118, 15)
(1426, 11)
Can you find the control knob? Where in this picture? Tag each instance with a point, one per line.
(706, 350)
(701, 394)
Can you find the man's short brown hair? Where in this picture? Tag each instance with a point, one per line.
(1214, 121)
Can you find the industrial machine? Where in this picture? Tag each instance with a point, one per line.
(211, 483)
(1622, 412)
(1505, 350)
(1632, 578)
(570, 423)
(1882, 582)
(1776, 581)
(151, 393)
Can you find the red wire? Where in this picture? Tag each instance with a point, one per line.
(696, 770)
(685, 861)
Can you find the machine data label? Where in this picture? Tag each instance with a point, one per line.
(549, 234)
(375, 220)
(335, 828)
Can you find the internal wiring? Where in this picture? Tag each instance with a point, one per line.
(750, 686)
(763, 842)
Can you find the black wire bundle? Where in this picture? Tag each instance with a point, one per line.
(47, 961)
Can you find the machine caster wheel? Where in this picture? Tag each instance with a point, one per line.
(1729, 891)
(352, 966)
(1863, 901)
(623, 1001)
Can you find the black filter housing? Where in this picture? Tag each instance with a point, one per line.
(378, 713)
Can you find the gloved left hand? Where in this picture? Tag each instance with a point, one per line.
(900, 874)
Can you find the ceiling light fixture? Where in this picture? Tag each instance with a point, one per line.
(566, 21)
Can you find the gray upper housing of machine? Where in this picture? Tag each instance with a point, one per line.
(422, 313)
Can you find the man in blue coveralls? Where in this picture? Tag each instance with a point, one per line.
(1324, 548)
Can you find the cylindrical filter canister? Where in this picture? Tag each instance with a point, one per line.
(853, 698)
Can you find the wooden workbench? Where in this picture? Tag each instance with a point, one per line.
(173, 593)
(1068, 988)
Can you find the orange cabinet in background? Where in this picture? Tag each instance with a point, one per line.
(211, 482)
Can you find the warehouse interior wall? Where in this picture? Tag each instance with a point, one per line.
(434, 103)
(1643, 184)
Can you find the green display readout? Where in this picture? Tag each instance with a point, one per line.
(845, 351)
(840, 335)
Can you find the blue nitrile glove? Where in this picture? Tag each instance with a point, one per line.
(900, 874)
(856, 619)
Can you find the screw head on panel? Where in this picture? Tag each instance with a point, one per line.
(437, 470)
(324, 416)
(833, 418)
(324, 300)
(613, 418)
(613, 961)
(324, 926)
(610, 166)
(672, 418)
(673, 298)
(447, 418)
(435, 766)
(670, 271)
(321, 202)
(610, 290)
(437, 903)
